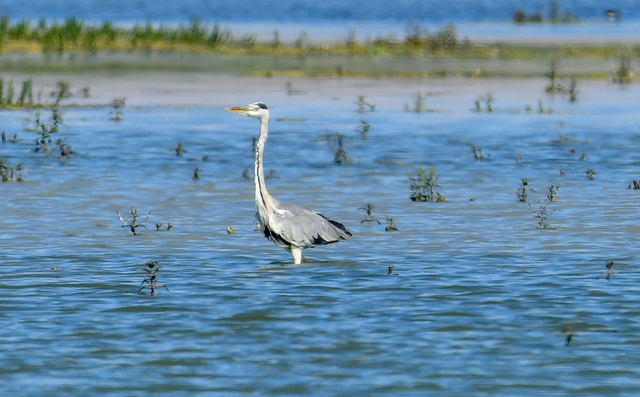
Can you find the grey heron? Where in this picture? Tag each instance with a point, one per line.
(288, 226)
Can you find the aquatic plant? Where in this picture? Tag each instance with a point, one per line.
(478, 105)
(26, 95)
(351, 38)
(552, 75)
(635, 185)
(554, 14)
(392, 225)
(75, 35)
(6, 100)
(179, 149)
(303, 40)
(522, 190)
(419, 37)
(61, 92)
(419, 104)
(553, 193)
(521, 17)
(390, 270)
(12, 173)
(570, 90)
(590, 174)
(13, 139)
(220, 36)
(363, 106)
(117, 105)
(291, 90)
(44, 130)
(196, 174)
(623, 75)
(416, 35)
(151, 275)
(65, 150)
(445, 39)
(569, 333)
(487, 100)
(609, 272)
(276, 43)
(84, 92)
(336, 144)
(134, 223)
(542, 215)
(363, 130)
(562, 139)
(423, 186)
(542, 110)
(477, 152)
(368, 209)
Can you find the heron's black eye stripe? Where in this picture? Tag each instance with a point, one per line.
(262, 105)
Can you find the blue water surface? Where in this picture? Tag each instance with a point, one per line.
(301, 11)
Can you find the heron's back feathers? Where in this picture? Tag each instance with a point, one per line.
(302, 227)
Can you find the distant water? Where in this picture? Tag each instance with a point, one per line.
(334, 19)
(434, 11)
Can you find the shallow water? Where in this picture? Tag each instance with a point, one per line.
(479, 295)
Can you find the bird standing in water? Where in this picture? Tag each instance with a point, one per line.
(288, 226)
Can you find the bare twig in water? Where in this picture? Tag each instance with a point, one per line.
(608, 273)
(369, 218)
(134, 223)
(363, 106)
(151, 276)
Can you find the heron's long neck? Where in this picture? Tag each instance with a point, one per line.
(262, 196)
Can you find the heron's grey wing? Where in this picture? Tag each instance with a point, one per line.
(304, 228)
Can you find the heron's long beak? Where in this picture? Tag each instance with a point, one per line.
(238, 109)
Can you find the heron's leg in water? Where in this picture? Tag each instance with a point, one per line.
(296, 252)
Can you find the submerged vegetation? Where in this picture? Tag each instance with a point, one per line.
(337, 147)
(44, 131)
(488, 102)
(364, 106)
(151, 275)
(423, 186)
(542, 217)
(10, 173)
(419, 104)
(522, 190)
(117, 105)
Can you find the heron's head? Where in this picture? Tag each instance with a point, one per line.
(258, 110)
